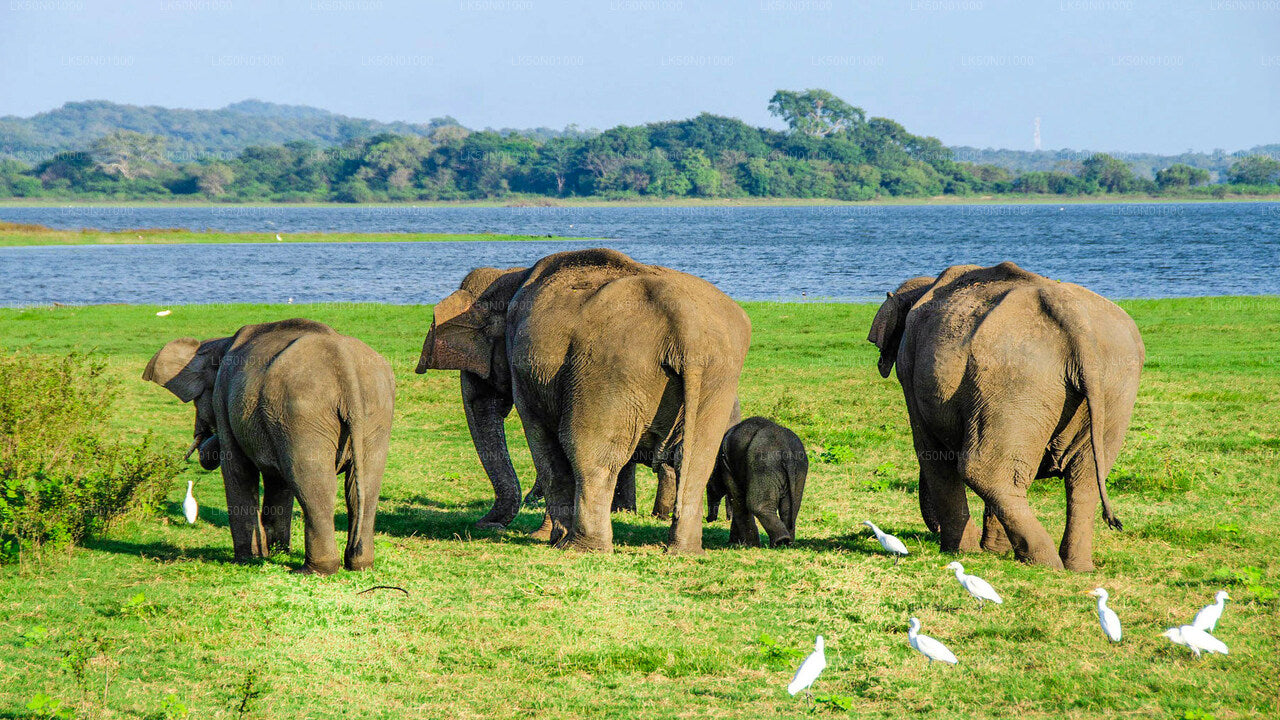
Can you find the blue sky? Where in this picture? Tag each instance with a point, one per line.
(1100, 74)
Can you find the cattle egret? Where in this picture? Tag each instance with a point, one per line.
(278, 238)
(189, 507)
(976, 586)
(163, 313)
(929, 647)
(810, 669)
(890, 543)
(1196, 639)
(1106, 616)
(1207, 618)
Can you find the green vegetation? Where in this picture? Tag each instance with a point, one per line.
(152, 620)
(61, 479)
(831, 150)
(13, 234)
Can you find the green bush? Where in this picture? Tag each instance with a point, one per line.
(61, 480)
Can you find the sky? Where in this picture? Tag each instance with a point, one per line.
(1123, 75)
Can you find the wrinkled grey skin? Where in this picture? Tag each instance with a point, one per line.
(1010, 377)
(624, 496)
(606, 359)
(295, 403)
(762, 470)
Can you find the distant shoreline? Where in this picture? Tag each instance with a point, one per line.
(540, 203)
(16, 235)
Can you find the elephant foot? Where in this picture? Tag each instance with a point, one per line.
(1078, 564)
(323, 567)
(784, 541)
(994, 537)
(356, 564)
(581, 543)
(971, 539)
(678, 549)
(1049, 560)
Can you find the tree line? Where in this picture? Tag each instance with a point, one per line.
(831, 149)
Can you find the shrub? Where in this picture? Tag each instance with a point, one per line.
(61, 480)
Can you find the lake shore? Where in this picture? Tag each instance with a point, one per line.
(20, 235)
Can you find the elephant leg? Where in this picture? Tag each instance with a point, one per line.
(928, 509)
(362, 490)
(714, 495)
(240, 480)
(1076, 550)
(315, 482)
(664, 503)
(624, 493)
(277, 511)
(945, 490)
(995, 539)
(700, 448)
(595, 475)
(742, 522)
(536, 493)
(1002, 482)
(556, 477)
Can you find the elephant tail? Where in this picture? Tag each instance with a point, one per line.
(1090, 383)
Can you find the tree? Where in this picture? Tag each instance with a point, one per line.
(1181, 175)
(213, 179)
(1110, 173)
(816, 113)
(127, 153)
(1254, 170)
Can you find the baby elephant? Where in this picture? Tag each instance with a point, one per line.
(762, 467)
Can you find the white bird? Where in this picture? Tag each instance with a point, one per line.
(189, 507)
(810, 669)
(890, 543)
(929, 647)
(976, 586)
(290, 301)
(1106, 616)
(1196, 639)
(163, 313)
(1207, 618)
(278, 238)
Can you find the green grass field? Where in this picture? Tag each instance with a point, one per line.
(155, 616)
(15, 234)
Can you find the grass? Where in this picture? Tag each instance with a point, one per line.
(17, 234)
(154, 616)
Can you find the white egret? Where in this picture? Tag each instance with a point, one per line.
(189, 507)
(810, 669)
(1207, 618)
(976, 586)
(163, 313)
(890, 543)
(929, 647)
(1106, 616)
(278, 238)
(1196, 639)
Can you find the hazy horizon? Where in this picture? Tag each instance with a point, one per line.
(1106, 75)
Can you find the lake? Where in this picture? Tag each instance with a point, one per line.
(752, 253)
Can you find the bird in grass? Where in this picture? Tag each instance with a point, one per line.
(929, 647)
(890, 543)
(810, 669)
(278, 238)
(1106, 616)
(164, 313)
(1196, 639)
(1207, 618)
(976, 586)
(189, 507)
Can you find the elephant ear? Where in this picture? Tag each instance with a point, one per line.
(460, 337)
(886, 330)
(184, 366)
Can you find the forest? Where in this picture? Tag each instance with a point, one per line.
(830, 149)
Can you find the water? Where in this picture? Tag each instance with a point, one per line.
(773, 253)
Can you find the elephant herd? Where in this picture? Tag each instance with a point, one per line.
(1007, 376)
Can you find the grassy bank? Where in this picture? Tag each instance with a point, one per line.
(16, 234)
(541, 201)
(497, 626)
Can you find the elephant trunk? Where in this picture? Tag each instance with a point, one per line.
(486, 409)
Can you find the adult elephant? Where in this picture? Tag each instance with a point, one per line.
(297, 403)
(1010, 377)
(606, 359)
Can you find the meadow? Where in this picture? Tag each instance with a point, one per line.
(154, 621)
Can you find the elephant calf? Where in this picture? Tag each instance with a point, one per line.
(297, 403)
(762, 469)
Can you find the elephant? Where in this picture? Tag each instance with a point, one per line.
(297, 403)
(1010, 377)
(762, 468)
(605, 359)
